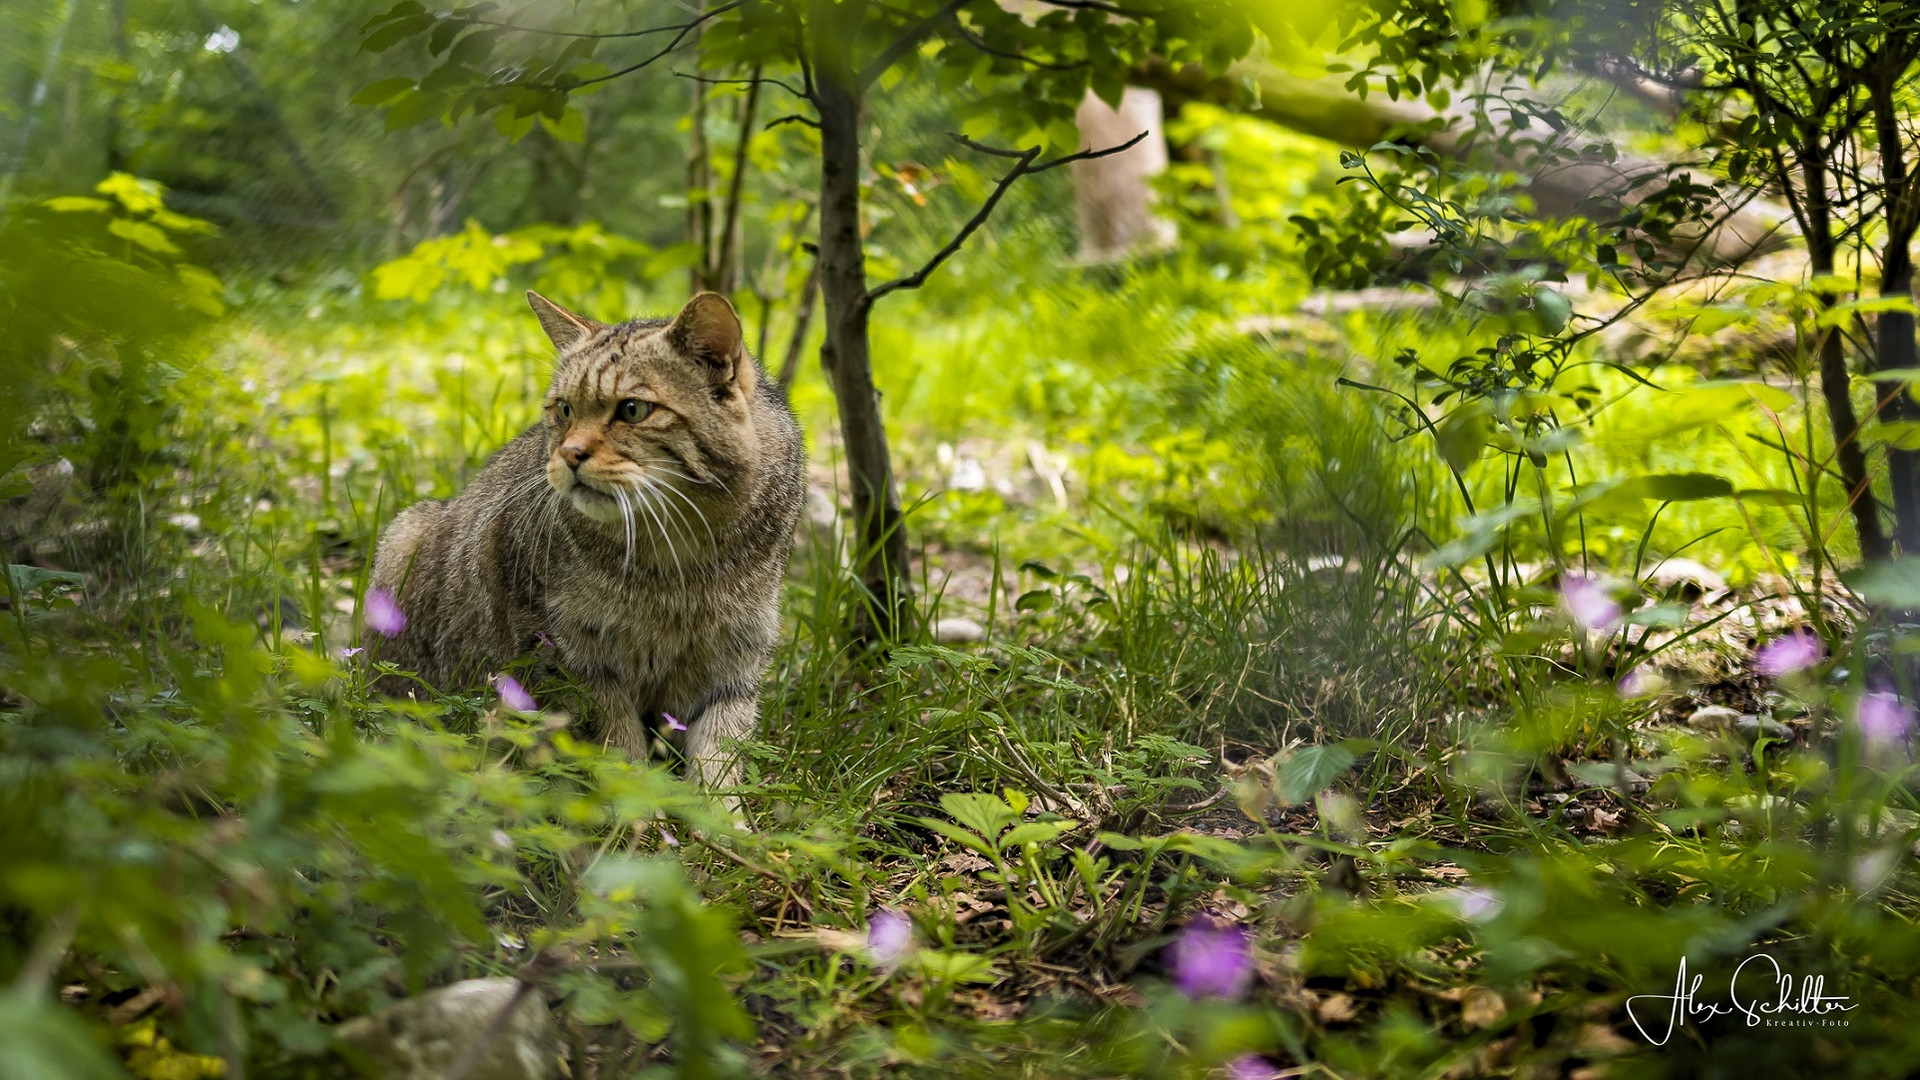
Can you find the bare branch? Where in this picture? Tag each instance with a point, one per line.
(1096, 5)
(980, 43)
(681, 30)
(758, 80)
(1023, 166)
(791, 118)
(907, 42)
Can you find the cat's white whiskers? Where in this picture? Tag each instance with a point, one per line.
(667, 507)
(691, 505)
(666, 534)
(626, 520)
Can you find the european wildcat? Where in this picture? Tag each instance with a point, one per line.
(642, 528)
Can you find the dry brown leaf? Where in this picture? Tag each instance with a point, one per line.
(1605, 821)
(965, 862)
(840, 940)
(1603, 1040)
(1337, 1009)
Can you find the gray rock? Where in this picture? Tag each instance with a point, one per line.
(1714, 718)
(1753, 727)
(958, 632)
(424, 1038)
(1695, 579)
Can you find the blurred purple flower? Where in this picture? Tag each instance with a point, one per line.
(513, 695)
(1251, 1067)
(889, 936)
(673, 724)
(1640, 682)
(672, 841)
(383, 614)
(1210, 960)
(1588, 605)
(545, 641)
(1472, 903)
(347, 654)
(1884, 718)
(1787, 654)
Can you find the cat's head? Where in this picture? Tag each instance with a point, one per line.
(650, 423)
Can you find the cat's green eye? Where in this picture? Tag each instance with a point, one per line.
(633, 410)
(566, 410)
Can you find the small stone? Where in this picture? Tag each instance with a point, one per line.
(1752, 728)
(1714, 718)
(423, 1038)
(1693, 579)
(958, 632)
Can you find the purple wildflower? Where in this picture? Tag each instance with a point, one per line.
(1472, 903)
(348, 654)
(1884, 718)
(889, 936)
(1251, 1067)
(672, 841)
(1787, 654)
(383, 614)
(513, 695)
(1640, 682)
(1210, 960)
(1588, 605)
(673, 724)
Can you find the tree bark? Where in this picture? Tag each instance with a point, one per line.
(1836, 383)
(1113, 195)
(880, 557)
(1894, 346)
(699, 180)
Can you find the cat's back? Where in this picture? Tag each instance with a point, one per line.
(457, 568)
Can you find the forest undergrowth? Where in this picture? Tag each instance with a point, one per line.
(1236, 739)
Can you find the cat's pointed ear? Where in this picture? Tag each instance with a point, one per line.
(563, 327)
(708, 331)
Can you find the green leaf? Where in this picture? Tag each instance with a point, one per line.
(964, 837)
(141, 233)
(46, 1041)
(571, 127)
(1551, 310)
(1462, 436)
(396, 31)
(1867, 305)
(1311, 768)
(984, 814)
(381, 92)
(25, 579)
(78, 204)
(1036, 832)
(1900, 434)
(1037, 600)
(1679, 487)
(1895, 582)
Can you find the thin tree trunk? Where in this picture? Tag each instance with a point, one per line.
(1835, 379)
(879, 533)
(699, 180)
(1894, 346)
(726, 270)
(802, 322)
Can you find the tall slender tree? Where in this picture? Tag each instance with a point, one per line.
(1015, 76)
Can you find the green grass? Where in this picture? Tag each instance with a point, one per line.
(202, 798)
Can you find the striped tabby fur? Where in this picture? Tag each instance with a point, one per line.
(642, 527)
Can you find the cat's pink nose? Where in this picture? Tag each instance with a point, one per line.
(573, 455)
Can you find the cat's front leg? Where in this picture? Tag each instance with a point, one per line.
(621, 727)
(713, 739)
